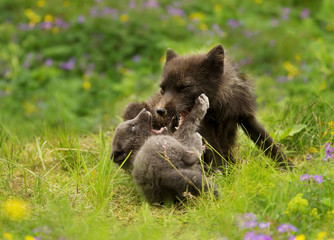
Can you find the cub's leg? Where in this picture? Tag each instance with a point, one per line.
(186, 130)
(178, 182)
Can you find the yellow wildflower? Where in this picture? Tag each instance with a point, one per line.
(297, 57)
(300, 237)
(28, 12)
(331, 124)
(55, 30)
(48, 18)
(28, 237)
(179, 20)
(162, 59)
(8, 236)
(258, 1)
(124, 18)
(312, 150)
(66, 3)
(33, 17)
(203, 26)
(8, 90)
(298, 204)
(218, 8)
(314, 213)
(29, 108)
(124, 70)
(321, 235)
(323, 86)
(291, 69)
(40, 3)
(16, 209)
(197, 16)
(86, 85)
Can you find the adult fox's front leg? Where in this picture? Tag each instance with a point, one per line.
(262, 139)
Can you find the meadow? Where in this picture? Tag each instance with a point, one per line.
(69, 67)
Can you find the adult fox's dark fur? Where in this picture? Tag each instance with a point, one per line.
(232, 103)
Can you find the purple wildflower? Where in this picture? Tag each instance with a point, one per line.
(247, 221)
(191, 27)
(48, 62)
(292, 238)
(248, 34)
(305, 177)
(61, 23)
(282, 79)
(5, 72)
(28, 60)
(136, 58)
(93, 11)
(329, 152)
(68, 65)
(250, 216)
(46, 25)
(286, 227)
(318, 178)
(233, 23)
(43, 229)
(217, 29)
(309, 157)
(24, 26)
(152, 4)
(132, 4)
(285, 13)
(175, 11)
(274, 22)
(272, 43)
(106, 11)
(81, 19)
(264, 225)
(90, 69)
(262, 237)
(253, 236)
(249, 236)
(245, 61)
(305, 13)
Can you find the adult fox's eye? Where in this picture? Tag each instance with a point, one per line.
(132, 127)
(162, 91)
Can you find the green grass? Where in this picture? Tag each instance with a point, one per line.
(75, 191)
(56, 125)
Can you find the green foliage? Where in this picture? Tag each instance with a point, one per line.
(71, 66)
(76, 62)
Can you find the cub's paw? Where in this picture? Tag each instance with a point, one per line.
(203, 102)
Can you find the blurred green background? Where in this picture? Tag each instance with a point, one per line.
(78, 63)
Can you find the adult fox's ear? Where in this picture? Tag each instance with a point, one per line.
(170, 54)
(214, 60)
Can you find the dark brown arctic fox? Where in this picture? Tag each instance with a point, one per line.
(232, 103)
(164, 167)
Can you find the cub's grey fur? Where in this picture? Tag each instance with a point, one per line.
(164, 167)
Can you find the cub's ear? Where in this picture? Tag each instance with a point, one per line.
(133, 109)
(170, 54)
(214, 60)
